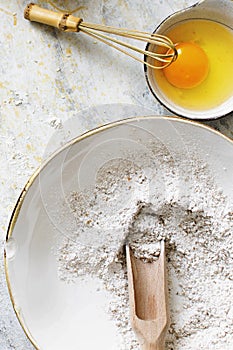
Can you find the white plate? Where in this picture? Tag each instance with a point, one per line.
(57, 315)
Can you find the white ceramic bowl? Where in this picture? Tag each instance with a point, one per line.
(56, 315)
(220, 11)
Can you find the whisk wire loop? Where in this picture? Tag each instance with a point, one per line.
(155, 39)
(109, 40)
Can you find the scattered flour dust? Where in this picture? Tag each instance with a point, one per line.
(147, 203)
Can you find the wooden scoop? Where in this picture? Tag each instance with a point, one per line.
(148, 300)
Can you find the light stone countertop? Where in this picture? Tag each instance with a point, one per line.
(59, 84)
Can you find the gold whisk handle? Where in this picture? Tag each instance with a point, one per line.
(63, 21)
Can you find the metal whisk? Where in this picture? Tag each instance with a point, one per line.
(69, 23)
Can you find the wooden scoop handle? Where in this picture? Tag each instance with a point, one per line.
(63, 21)
(157, 346)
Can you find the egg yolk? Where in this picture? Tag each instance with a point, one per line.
(190, 68)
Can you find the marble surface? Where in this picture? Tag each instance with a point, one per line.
(55, 86)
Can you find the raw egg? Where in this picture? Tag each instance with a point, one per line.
(190, 67)
(209, 82)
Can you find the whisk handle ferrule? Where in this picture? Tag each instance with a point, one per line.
(63, 21)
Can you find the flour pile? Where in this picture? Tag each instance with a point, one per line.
(144, 204)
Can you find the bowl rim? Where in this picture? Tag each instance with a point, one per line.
(32, 178)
